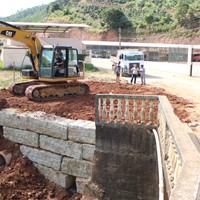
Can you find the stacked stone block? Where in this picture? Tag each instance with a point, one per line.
(62, 149)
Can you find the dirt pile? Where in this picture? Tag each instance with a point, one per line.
(83, 107)
(19, 179)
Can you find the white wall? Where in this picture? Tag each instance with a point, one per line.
(14, 57)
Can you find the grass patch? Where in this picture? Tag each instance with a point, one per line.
(91, 68)
(8, 76)
(1, 64)
(4, 84)
(103, 71)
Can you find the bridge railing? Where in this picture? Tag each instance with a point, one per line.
(126, 108)
(180, 157)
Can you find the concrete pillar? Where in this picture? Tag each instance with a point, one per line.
(189, 62)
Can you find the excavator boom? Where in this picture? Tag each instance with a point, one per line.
(26, 37)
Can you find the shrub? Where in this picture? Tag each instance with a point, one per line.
(1, 64)
(90, 67)
(27, 67)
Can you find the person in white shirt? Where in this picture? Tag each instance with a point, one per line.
(142, 75)
(135, 71)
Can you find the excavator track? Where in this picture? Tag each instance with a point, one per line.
(18, 88)
(55, 91)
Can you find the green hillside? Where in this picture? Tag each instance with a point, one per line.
(134, 17)
(35, 14)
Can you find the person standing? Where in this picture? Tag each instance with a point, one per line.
(135, 71)
(117, 72)
(142, 75)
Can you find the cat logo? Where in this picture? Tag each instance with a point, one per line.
(8, 33)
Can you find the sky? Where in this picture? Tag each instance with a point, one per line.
(9, 7)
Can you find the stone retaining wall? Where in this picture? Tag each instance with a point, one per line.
(61, 149)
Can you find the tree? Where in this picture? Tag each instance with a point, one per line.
(149, 20)
(53, 7)
(181, 11)
(114, 18)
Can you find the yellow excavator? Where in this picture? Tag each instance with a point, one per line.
(48, 78)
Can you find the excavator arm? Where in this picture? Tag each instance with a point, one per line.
(24, 36)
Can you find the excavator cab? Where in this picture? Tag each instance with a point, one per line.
(57, 64)
(60, 63)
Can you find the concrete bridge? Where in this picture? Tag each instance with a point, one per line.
(116, 156)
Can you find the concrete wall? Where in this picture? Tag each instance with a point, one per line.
(61, 149)
(125, 162)
(13, 56)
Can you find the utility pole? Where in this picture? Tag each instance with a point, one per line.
(120, 37)
(190, 53)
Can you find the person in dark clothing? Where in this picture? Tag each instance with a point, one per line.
(58, 65)
(117, 72)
